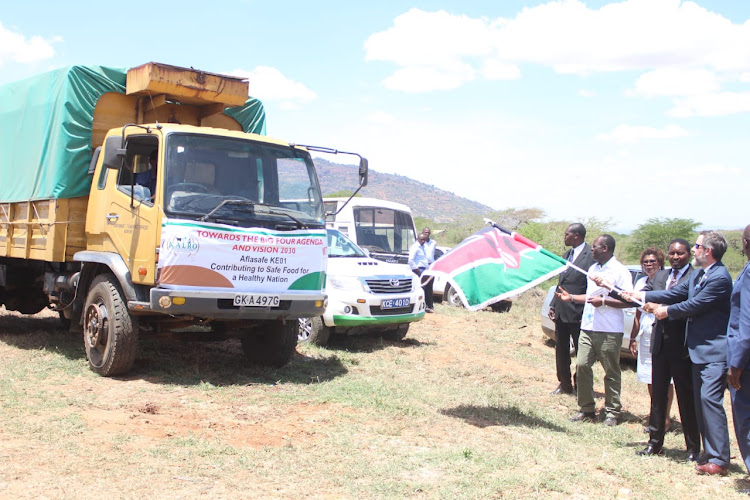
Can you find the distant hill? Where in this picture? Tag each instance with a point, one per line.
(425, 200)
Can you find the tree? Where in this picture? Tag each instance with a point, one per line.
(658, 232)
(344, 193)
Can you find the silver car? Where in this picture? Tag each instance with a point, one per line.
(548, 326)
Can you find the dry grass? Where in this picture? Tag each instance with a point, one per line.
(459, 409)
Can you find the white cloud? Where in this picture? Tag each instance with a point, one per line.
(630, 133)
(702, 171)
(381, 118)
(631, 35)
(676, 82)
(717, 104)
(15, 47)
(269, 84)
(586, 93)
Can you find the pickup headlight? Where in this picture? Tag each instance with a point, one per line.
(346, 283)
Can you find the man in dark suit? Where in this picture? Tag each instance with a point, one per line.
(567, 315)
(738, 354)
(704, 301)
(670, 360)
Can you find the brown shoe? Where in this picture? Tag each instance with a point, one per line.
(711, 469)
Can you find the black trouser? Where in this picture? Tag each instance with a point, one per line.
(664, 368)
(565, 331)
(427, 288)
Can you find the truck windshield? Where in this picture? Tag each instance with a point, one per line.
(384, 230)
(204, 171)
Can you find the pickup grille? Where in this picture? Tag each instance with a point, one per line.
(395, 285)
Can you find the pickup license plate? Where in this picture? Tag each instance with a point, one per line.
(256, 300)
(394, 303)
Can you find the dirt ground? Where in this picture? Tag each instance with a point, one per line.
(64, 422)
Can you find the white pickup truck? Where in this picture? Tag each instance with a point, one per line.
(365, 295)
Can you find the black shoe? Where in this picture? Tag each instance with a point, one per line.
(650, 450)
(583, 416)
(562, 389)
(693, 456)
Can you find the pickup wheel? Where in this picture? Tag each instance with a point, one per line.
(110, 334)
(313, 330)
(274, 346)
(397, 334)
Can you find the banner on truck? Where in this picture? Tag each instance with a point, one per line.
(197, 254)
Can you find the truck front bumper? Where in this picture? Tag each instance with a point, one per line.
(220, 305)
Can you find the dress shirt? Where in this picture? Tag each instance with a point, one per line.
(603, 318)
(418, 258)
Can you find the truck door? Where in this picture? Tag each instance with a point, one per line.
(131, 221)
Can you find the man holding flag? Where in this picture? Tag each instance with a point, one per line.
(601, 332)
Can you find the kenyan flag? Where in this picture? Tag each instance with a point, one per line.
(494, 264)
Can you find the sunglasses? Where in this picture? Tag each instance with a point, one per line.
(697, 246)
(649, 261)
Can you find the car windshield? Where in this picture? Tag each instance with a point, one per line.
(205, 171)
(341, 246)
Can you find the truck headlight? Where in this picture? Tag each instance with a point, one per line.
(346, 283)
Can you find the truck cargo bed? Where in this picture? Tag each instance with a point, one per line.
(48, 230)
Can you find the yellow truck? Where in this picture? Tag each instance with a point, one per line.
(150, 201)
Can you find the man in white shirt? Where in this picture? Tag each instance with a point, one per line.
(419, 260)
(430, 245)
(601, 332)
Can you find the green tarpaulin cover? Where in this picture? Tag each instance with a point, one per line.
(45, 130)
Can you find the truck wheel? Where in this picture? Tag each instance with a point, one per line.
(313, 330)
(110, 334)
(397, 334)
(274, 346)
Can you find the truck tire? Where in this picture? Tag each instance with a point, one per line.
(313, 330)
(397, 334)
(110, 333)
(274, 346)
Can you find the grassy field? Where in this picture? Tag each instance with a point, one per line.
(459, 409)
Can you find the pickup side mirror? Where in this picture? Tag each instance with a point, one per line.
(363, 167)
(113, 152)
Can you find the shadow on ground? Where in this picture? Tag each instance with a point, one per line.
(486, 416)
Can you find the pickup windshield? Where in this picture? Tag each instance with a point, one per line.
(226, 178)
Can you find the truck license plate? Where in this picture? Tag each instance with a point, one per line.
(394, 303)
(256, 300)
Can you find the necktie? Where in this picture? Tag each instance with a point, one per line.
(673, 279)
(570, 256)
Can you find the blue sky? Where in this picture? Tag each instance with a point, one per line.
(619, 110)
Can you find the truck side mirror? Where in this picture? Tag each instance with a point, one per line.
(113, 152)
(363, 167)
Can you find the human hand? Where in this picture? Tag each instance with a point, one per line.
(733, 378)
(661, 312)
(600, 280)
(650, 307)
(551, 313)
(632, 296)
(633, 347)
(563, 295)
